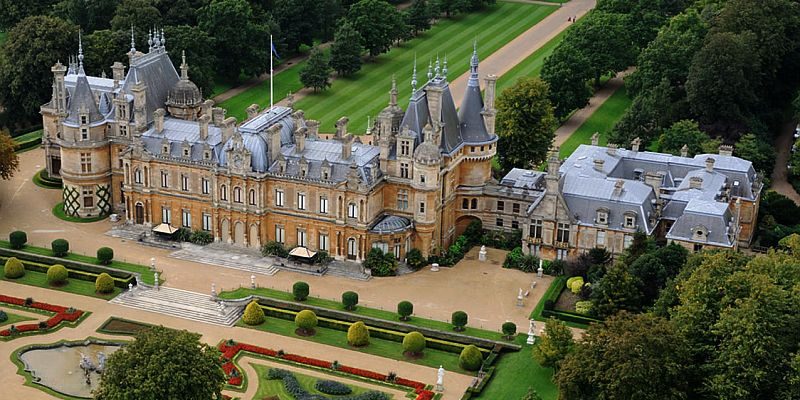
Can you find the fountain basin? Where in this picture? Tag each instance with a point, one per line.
(57, 366)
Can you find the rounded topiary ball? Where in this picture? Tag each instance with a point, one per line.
(405, 309)
(470, 358)
(60, 247)
(253, 314)
(105, 255)
(349, 300)
(459, 320)
(18, 239)
(509, 329)
(306, 321)
(13, 268)
(300, 291)
(104, 283)
(414, 343)
(57, 274)
(358, 334)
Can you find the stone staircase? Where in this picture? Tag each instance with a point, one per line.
(226, 257)
(180, 303)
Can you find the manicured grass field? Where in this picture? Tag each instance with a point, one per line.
(360, 310)
(27, 141)
(366, 92)
(531, 66)
(275, 387)
(146, 273)
(380, 347)
(515, 373)
(76, 286)
(14, 319)
(603, 120)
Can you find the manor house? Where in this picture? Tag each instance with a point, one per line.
(144, 144)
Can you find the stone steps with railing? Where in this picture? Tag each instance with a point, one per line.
(180, 303)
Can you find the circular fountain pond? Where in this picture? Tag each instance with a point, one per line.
(62, 366)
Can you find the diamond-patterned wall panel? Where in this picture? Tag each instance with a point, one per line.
(71, 201)
(104, 199)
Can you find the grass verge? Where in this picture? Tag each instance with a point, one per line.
(76, 286)
(58, 211)
(515, 373)
(39, 180)
(27, 141)
(602, 121)
(275, 387)
(13, 319)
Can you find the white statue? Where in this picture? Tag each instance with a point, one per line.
(440, 380)
(155, 274)
(531, 339)
(540, 271)
(482, 253)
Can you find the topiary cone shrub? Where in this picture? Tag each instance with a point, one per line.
(349, 300)
(306, 321)
(253, 314)
(300, 291)
(104, 283)
(470, 358)
(413, 344)
(459, 321)
(13, 268)
(404, 310)
(60, 247)
(18, 239)
(509, 330)
(105, 255)
(358, 334)
(57, 275)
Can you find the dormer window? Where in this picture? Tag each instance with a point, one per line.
(206, 155)
(404, 148)
(84, 119)
(630, 221)
(602, 217)
(700, 233)
(325, 175)
(165, 149)
(186, 153)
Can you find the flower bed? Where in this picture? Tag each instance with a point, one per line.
(231, 349)
(61, 314)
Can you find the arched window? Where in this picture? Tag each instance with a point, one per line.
(137, 176)
(237, 194)
(465, 204)
(474, 204)
(223, 192)
(352, 210)
(251, 197)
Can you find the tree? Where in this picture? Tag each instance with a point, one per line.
(554, 345)
(532, 395)
(413, 343)
(105, 255)
(104, 283)
(567, 72)
(30, 50)
(470, 358)
(404, 310)
(449, 7)
(142, 15)
(617, 290)
(57, 275)
(306, 321)
(682, 133)
(509, 329)
(13, 268)
(273, 248)
(300, 291)
(757, 150)
(253, 314)
(180, 12)
(15, 11)
(378, 22)
(419, 16)
(197, 45)
(349, 300)
(605, 40)
(9, 162)
(303, 20)
(102, 48)
(459, 320)
(90, 15)
(167, 364)
(316, 73)
(358, 334)
(346, 50)
(525, 123)
(627, 357)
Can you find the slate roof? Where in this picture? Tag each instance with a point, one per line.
(586, 195)
(82, 101)
(156, 72)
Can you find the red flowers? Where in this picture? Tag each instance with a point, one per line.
(230, 351)
(60, 311)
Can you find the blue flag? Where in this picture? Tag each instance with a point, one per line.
(275, 51)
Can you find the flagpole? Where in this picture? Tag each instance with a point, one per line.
(270, 70)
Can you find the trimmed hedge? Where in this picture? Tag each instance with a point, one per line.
(13, 268)
(570, 317)
(57, 274)
(404, 310)
(470, 358)
(104, 283)
(60, 247)
(358, 334)
(253, 314)
(121, 280)
(349, 300)
(305, 320)
(300, 290)
(459, 320)
(509, 329)
(333, 388)
(414, 343)
(18, 239)
(105, 255)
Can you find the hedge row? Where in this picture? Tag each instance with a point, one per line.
(121, 278)
(569, 317)
(349, 318)
(387, 334)
(120, 282)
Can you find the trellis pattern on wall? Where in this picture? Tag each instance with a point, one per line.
(71, 201)
(104, 199)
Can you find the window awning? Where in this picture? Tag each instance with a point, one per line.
(165, 229)
(302, 252)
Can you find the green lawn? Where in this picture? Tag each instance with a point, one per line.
(515, 373)
(603, 120)
(366, 92)
(76, 286)
(531, 66)
(58, 211)
(360, 310)
(146, 274)
(275, 387)
(27, 141)
(380, 347)
(14, 319)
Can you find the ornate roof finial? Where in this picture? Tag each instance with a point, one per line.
(436, 69)
(393, 92)
(473, 66)
(80, 53)
(430, 69)
(150, 39)
(156, 40)
(184, 67)
(444, 70)
(414, 76)
(163, 41)
(133, 41)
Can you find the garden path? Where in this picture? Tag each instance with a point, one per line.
(101, 310)
(579, 117)
(780, 174)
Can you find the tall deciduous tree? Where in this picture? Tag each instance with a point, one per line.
(378, 22)
(163, 364)
(604, 39)
(103, 48)
(142, 15)
(617, 290)
(346, 50)
(626, 357)
(316, 74)
(31, 48)
(683, 133)
(568, 72)
(525, 124)
(758, 151)
(199, 55)
(554, 345)
(90, 15)
(419, 15)
(304, 20)
(14, 11)
(8, 158)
